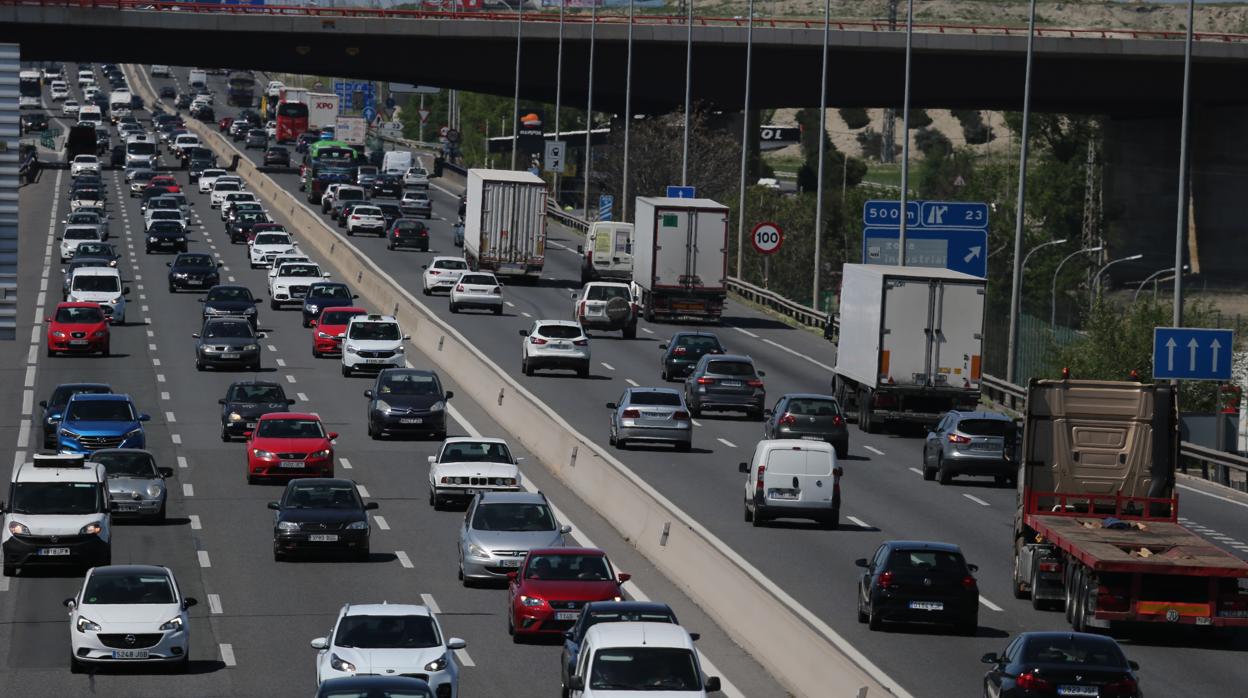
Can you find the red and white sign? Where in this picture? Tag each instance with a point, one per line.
(424, 115)
(767, 238)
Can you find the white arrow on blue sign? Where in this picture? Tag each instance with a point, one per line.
(1192, 353)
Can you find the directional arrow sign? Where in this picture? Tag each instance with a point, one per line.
(1208, 355)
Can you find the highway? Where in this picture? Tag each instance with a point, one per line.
(251, 629)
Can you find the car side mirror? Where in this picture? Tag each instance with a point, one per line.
(569, 635)
(195, 335)
(762, 373)
(368, 393)
(145, 417)
(990, 658)
(43, 404)
(862, 562)
(767, 413)
(169, 264)
(611, 406)
(220, 264)
(165, 472)
(576, 683)
(565, 529)
(695, 636)
(262, 335)
(355, 296)
(274, 506)
(202, 300)
(511, 576)
(580, 249)
(524, 333)
(188, 602)
(424, 266)
(290, 401)
(333, 435)
(712, 683)
(1135, 666)
(663, 346)
(743, 467)
(973, 568)
(70, 603)
(320, 643)
(369, 506)
(449, 394)
(623, 577)
(326, 275)
(407, 338)
(125, 291)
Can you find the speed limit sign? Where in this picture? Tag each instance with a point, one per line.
(767, 238)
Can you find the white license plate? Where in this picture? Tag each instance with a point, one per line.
(654, 415)
(927, 605)
(411, 420)
(53, 552)
(784, 494)
(376, 361)
(125, 507)
(1078, 691)
(251, 425)
(509, 563)
(130, 654)
(291, 464)
(730, 384)
(193, 282)
(323, 538)
(567, 615)
(78, 342)
(229, 356)
(812, 438)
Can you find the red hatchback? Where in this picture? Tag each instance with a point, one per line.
(327, 330)
(78, 327)
(552, 585)
(166, 182)
(289, 445)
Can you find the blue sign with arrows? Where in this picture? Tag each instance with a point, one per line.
(1192, 353)
(944, 234)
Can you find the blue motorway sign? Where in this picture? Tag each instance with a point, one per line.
(675, 192)
(1192, 353)
(347, 91)
(885, 213)
(606, 202)
(956, 249)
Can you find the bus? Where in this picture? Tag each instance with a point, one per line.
(30, 87)
(292, 120)
(325, 163)
(240, 89)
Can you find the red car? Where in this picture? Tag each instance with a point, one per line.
(78, 327)
(552, 585)
(166, 182)
(327, 330)
(224, 123)
(289, 445)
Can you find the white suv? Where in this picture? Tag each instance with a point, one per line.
(372, 342)
(554, 344)
(83, 164)
(266, 246)
(57, 514)
(129, 614)
(388, 639)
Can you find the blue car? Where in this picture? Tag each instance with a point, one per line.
(54, 407)
(92, 421)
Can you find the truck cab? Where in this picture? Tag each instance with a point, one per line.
(57, 514)
(607, 252)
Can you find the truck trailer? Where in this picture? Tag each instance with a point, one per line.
(505, 227)
(680, 258)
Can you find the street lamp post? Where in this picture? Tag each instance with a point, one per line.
(1153, 277)
(515, 108)
(1180, 227)
(684, 153)
(1027, 257)
(905, 141)
(628, 114)
(1057, 273)
(1096, 278)
(589, 106)
(823, 134)
(745, 136)
(1020, 206)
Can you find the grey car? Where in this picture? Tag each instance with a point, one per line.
(416, 203)
(725, 382)
(227, 342)
(651, 415)
(808, 416)
(971, 443)
(91, 217)
(500, 528)
(136, 486)
(256, 138)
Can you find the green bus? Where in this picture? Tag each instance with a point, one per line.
(325, 163)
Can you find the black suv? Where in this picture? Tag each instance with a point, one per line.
(245, 402)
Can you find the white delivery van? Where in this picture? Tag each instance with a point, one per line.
(57, 514)
(91, 114)
(396, 162)
(627, 658)
(607, 252)
(793, 479)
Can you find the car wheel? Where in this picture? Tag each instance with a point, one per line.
(346, 371)
(363, 554)
(969, 627)
(9, 570)
(583, 371)
(684, 446)
(756, 415)
(173, 289)
(390, 246)
(350, 233)
(630, 331)
(424, 290)
(75, 666)
(842, 452)
(183, 665)
(252, 479)
(162, 514)
(1036, 602)
(621, 444)
(498, 310)
(874, 622)
(278, 556)
(663, 376)
(225, 435)
(315, 354)
(199, 365)
(1001, 480)
(454, 308)
(943, 475)
(749, 515)
(273, 304)
(526, 367)
(759, 519)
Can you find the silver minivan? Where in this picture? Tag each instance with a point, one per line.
(793, 479)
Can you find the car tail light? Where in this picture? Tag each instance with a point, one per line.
(958, 439)
(536, 340)
(754, 383)
(581, 342)
(459, 287)
(706, 381)
(886, 580)
(758, 482)
(1031, 682)
(1050, 566)
(968, 583)
(498, 290)
(680, 415)
(434, 272)
(788, 420)
(679, 351)
(1125, 687)
(1113, 599)
(580, 309)
(838, 420)
(632, 414)
(355, 217)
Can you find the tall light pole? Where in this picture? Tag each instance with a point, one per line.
(1096, 278)
(684, 156)
(628, 113)
(745, 136)
(1021, 203)
(1037, 248)
(559, 89)
(515, 108)
(1058, 272)
(589, 105)
(1153, 277)
(1180, 227)
(905, 139)
(823, 134)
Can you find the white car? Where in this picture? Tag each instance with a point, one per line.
(270, 129)
(128, 614)
(232, 198)
(560, 344)
(75, 235)
(417, 177)
(636, 659)
(442, 273)
(102, 286)
(184, 141)
(84, 163)
(389, 639)
(59, 90)
(222, 187)
(468, 465)
(69, 108)
(161, 71)
(85, 77)
(366, 219)
(477, 289)
(277, 262)
(209, 177)
(290, 283)
(372, 342)
(266, 246)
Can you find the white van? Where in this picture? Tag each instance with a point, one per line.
(119, 104)
(607, 252)
(624, 659)
(397, 162)
(90, 113)
(59, 506)
(793, 479)
(101, 285)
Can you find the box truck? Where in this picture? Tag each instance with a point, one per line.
(197, 78)
(351, 130)
(680, 257)
(910, 344)
(322, 110)
(505, 227)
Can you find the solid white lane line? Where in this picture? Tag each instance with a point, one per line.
(227, 654)
(346, 464)
(363, 491)
(647, 330)
(188, 490)
(607, 366)
(631, 382)
(204, 560)
(195, 523)
(431, 603)
(858, 522)
(1228, 500)
(214, 603)
(798, 354)
(381, 522)
(873, 449)
(403, 559)
(747, 333)
(182, 462)
(975, 499)
(727, 443)
(989, 605)
(472, 431)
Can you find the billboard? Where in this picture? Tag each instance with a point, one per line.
(530, 132)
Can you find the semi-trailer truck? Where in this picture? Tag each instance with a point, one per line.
(505, 226)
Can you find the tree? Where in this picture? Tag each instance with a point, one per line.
(834, 164)
(855, 117)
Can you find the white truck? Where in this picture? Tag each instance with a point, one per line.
(680, 258)
(505, 225)
(910, 344)
(351, 130)
(607, 253)
(292, 94)
(197, 78)
(322, 110)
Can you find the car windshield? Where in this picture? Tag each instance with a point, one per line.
(211, 174)
(813, 407)
(127, 463)
(97, 284)
(663, 398)
(272, 239)
(1069, 650)
(229, 293)
(64, 498)
(170, 214)
(568, 567)
(162, 203)
(223, 330)
(84, 218)
(105, 588)
(257, 393)
(986, 427)
(417, 196)
(698, 343)
(927, 562)
(559, 331)
(322, 496)
(165, 227)
(606, 293)
(194, 260)
(475, 452)
(350, 194)
(450, 264)
(478, 279)
(377, 632)
(377, 331)
(511, 516)
(366, 211)
(79, 315)
(225, 186)
(339, 292)
(644, 669)
(291, 429)
(94, 249)
(99, 411)
(337, 318)
(141, 148)
(368, 170)
(731, 368)
(82, 234)
(299, 270)
(629, 616)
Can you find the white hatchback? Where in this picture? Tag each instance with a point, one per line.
(557, 344)
(209, 177)
(389, 639)
(442, 273)
(475, 289)
(83, 164)
(132, 614)
(69, 108)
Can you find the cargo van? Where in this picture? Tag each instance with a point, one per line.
(793, 479)
(627, 658)
(57, 514)
(607, 252)
(91, 113)
(396, 162)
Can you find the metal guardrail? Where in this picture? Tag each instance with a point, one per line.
(774, 301)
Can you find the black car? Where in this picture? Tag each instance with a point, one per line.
(808, 416)
(256, 138)
(597, 612)
(117, 157)
(1062, 664)
(97, 250)
(725, 382)
(240, 225)
(166, 235)
(304, 140)
(408, 232)
(245, 402)
(168, 92)
(325, 294)
(54, 407)
(198, 162)
(193, 270)
(198, 153)
(388, 185)
(183, 101)
(389, 212)
(250, 117)
(239, 129)
(33, 121)
(373, 685)
(918, 582)
(224, 301)
(321, 515)
(277, 156)
(682, 351)
(407, 401)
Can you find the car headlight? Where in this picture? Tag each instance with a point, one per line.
(288, 526)
(383, 406)
(174, 624)
(180, 275)
(399, 349)
(58, 334)
(99, 333)
(323, 453)
(235, 417)
(250, 310)
(251, 347)
(349, 349)
(18, 528)
(617, 598)
(261, 453)
(69, 434)
(84, 625)
(340, 664)
(154, 490)
(91, 529)
(137, 431)
(322, 335)
(477, 551)
(151, 238)
(436, 665)
(357, 526)
(437, 406)
(531, 600)
(114, 301)
(311, 308)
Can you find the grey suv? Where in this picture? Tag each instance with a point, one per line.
(725, 382)
(500, 528)
(971, 443)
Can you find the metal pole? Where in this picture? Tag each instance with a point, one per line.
(1057, 273)
(1153, 277)
(1016, 289)
(823, 134)
(905, 140)
(559, 89)
(1027, 257)
(684, 156)
(1095, 286)
(421, 133)
(589, 105)
(628, 113)
(1180, 227)
(745, 133)
(515, 108)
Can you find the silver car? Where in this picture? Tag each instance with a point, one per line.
(227, 342)
(971, 443)
(136, 486)
(653, 415)
(500, 528)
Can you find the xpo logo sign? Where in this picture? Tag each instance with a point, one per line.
(324, 105)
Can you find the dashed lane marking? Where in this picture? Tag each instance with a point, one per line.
(188, 490)
(975, 499)
(873, 449)
(726, 442)
(989, 605)
(346, 464)
(214, 604)
(227, 654)
(403, 559)
(195, 523)
(204, 560)
(381, 522)
(747, 333)
(858, 522)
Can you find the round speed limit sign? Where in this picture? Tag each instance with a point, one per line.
(767, 238)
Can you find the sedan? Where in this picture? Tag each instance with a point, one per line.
(289, 445)
(277, 156)
(417, 177)
(166, 235)
(194, 270)
(971, 443)
(725, 382)
(321, 515)
(407, 232)
(387, 185)
(69, 107)
(554, 344)
(808, 416)
(416, 204)
(329, 327)
(245, 402)
(231, 301)
(407, 401)
(918, 582)
(127, 614)
(227, 342)
(573, 576)
(650, 415)
(136, 485)
(1061, 664)
(683, 351)
(78, 327)
(97, 250)
(477, 290)
(325, 294)
(466, 466)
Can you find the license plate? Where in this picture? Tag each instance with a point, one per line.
(562, 345)
(125, 507)
(509, 563)
(730, 384)
(229, 356)
(411, 420)
(77, 342)
(194, 282)
(929, 606)
(291, 464)
(984, 447)
(783, 494)
(130, 654)
(813, 438)
(654, 415)
(251, 425)
(567, 615)
(53, 552)
(323, 538)
(1078, 691)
